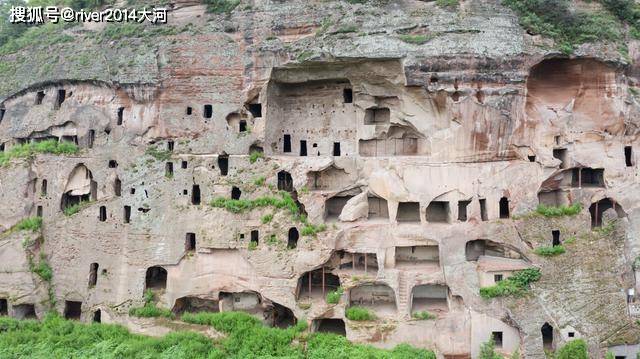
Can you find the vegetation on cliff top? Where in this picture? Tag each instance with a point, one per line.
(29, 150)
(517, 284)
(550, 211)
(569, 26)
(246, 337)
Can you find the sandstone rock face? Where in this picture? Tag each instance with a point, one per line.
(415, 169)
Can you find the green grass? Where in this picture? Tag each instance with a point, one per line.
(255, 155)
(557, 19)
(266, 218)
(43, 35)
(424, 315)
(312, 229)
(517, 284)
(245, 337)
(160, 155)
(549, 251)
(487, 350)
(242, 205)
(359, 313)
(30, 150)
(55, 337)
(73, 209)
(334, 296)
(259, 181)
(221, 6)
(347, 29)
(447, 3)
(550, 211)
(150, 311)
(415, 39)
(42, 268)
(29, 224)
(252, 246)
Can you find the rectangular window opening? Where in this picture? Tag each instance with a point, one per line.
(287, 144)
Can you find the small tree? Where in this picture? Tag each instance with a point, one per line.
(487, 350)
(575, 349)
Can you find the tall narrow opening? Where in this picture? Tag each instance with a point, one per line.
(4, 308)
(285, 181)
(39, 97)
(91, 138)
(103, 213)
(127, 214)
(208, 111)
(168, 169)
(39, 211)
(117, 187)
(235, 193)
(504, 207)
(189, 111)
(97, 316)
(2, 111)
(555, 234)
(170, 145)
(223, 164)
(303, 147)
(255, 236)
(120, 115)
(547, 336)
(60, 97)
(72, 310)
(292, 238)
(156, 278)
(347, 95)
(43, 188)
(93, 275)
(336, 148)
(242, 126)
(483, 209)
(497, 339)
(190, 242)
(462, 210)
(628, 156)
(195, 194)
(286, 146)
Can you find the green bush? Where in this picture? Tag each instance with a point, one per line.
(517, 284)
(312, 229)
(255, 155)
(334, 296)
(160, 155)
(266, 218)
(259, 181)
(487, 350)
(325, 345)
(423, 315)
(221, 6)
(29, 224)
(549, 211)
(359, 313)
(242, 205)
(575, 349)
(42, 268)
(29, 150)
(548, 251)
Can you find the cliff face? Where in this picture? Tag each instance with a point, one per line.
(411, 171)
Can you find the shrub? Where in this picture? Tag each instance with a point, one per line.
(334, 296)
(41, 269)
(549, 211)
(29, 224)
(252, 246)
(259, 181)
(424, 315)
(160, 155)
(73, 209)
(575, 349)
(266, 218)
(548, 251)
(255, 155)
(312, 229)
(487, 350)
(359, 314)
(556, 19)
(517, 284)
(241, 205)
(415, 39)
(221, 6)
